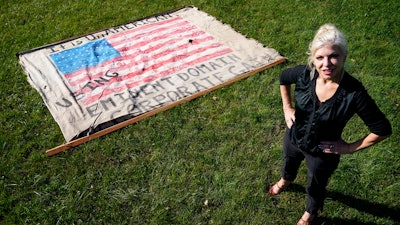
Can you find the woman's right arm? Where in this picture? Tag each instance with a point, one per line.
(287, 78)
(288, 109)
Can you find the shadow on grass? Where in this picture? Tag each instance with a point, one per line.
(338, 221)
(375, 209)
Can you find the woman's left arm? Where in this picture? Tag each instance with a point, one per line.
(379, 126)
(342, 147)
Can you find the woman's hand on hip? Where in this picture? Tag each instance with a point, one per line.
(335, 147)
(289, 116)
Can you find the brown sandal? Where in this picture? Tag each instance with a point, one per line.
(271, 189)
(303, 222)
(308, 221)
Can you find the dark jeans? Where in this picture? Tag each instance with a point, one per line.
(320, 167)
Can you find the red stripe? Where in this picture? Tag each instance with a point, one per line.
(144, 27)
(132, 63)
(183, 26)
(171, 37)
(137, 45)
(154, 67)
(92, 98)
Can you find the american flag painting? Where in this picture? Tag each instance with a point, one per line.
(131, 58)
(114, 77)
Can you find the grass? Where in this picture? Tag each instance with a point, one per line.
(207, 161)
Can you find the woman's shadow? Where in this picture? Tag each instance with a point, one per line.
(376, 209)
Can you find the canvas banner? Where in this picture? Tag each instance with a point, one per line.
(100, 79)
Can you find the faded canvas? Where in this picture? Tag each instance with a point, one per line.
(102, 78)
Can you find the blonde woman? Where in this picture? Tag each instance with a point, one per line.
(325, 97)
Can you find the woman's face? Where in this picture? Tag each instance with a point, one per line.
(329, 61)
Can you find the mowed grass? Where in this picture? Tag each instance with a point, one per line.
(207, 161)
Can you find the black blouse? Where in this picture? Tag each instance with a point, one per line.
(324, 121)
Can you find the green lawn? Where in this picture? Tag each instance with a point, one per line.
(207, 161)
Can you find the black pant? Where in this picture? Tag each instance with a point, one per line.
(320, 167)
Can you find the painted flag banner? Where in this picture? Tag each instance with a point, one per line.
(98, 80)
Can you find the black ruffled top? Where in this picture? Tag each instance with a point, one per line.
(324, 121)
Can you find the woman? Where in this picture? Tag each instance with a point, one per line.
(326, 97)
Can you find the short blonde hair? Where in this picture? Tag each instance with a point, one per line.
(327, 33)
